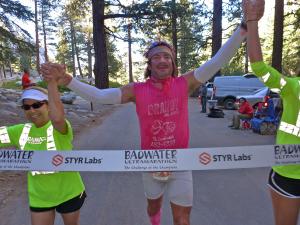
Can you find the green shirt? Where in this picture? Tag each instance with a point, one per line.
(289, 129)
(46, 189)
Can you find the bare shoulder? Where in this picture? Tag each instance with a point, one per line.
(128, 93)
(193, 83)
(189, 75)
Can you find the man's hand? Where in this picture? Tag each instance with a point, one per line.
(253, 9)
(57, 72)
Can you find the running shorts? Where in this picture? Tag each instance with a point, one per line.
(69, 206)
(284, 186)
(179, 187)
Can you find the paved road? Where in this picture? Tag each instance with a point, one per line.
(227, 197)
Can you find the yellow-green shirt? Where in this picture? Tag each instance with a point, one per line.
(289, 128)
(46, 189)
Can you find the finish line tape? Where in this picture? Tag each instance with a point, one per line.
(151, 160)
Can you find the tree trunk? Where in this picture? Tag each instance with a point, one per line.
(129, 53)
(101, 63)
(77, 53)
(246, 59)
(89, 50)
(4, 74)
(217, 29)
(45, 37)
(1, 77)
(37, 47)
(174, 29)
(73, 48)
(10, 69)
(278, 35)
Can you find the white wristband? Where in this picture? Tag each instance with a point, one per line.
(93, 94)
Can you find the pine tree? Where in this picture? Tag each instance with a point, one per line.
(14, 40)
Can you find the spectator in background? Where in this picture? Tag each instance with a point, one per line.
(203, 97)
(245, 111)
(26, 82)
(213, 95)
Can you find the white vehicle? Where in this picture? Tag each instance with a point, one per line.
(229, 87)
(259, 96)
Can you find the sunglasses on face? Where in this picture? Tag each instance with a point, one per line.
(35, 105)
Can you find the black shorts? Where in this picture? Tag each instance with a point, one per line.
(69, 206)
(285, 186)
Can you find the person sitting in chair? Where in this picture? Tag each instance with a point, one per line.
(245, 111)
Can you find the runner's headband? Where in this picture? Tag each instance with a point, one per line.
(159, 49)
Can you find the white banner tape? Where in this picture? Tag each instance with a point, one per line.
(151, 160)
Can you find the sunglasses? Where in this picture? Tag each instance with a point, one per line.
(35, 105)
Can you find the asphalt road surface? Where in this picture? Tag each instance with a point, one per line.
(221, 197)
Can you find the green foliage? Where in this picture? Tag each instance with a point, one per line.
(113, 84)
(14, 40)
(74, 35)
(61, 89)
(234, 9)
(47, 24)
(12, 84)
(291, 42)
(187, 43)
(63, 48)
(78, 12)
(152, 20)
(236, 65)
(114, 64)
(25, 62)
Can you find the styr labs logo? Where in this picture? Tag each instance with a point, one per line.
(204, 158)
(57, 160)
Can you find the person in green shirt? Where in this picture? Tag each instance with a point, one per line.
(48, 129)
(284, 181)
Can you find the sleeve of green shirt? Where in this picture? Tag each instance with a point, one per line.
(64, 140)
(273, 79)
(9, 136)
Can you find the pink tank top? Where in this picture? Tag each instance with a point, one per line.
(163, 114)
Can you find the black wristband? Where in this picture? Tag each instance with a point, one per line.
(243, 25)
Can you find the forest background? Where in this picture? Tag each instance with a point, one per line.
(104, 41)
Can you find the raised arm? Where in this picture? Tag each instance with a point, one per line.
(88, 92)
(270, 76)
(253, 42)
(56, 108)
(223, 56)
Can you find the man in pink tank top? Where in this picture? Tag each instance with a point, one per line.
(162, 109)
